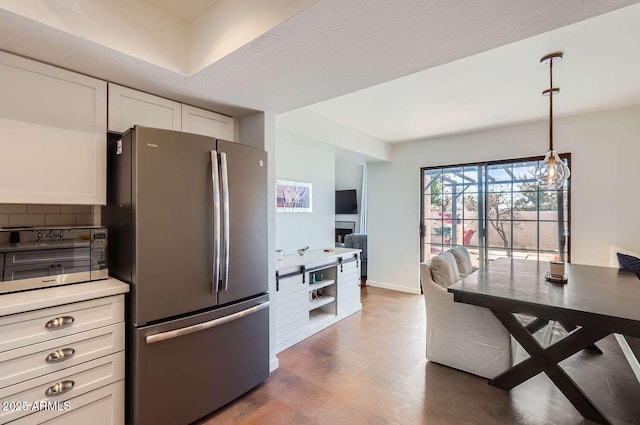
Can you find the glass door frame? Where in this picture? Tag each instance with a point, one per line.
(482, 207)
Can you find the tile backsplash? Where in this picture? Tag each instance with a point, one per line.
(12, 215)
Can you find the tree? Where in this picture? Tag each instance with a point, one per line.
(530, 199)
(436, 192)
(498, 214)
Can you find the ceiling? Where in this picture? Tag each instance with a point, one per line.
(296, 52)
(188, 11)
(503, 85)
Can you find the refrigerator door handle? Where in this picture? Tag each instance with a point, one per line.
(225, 220)
(163, 336)
(216, 221)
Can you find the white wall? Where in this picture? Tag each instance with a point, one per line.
(315, 128)
(349, 176)
(605, 150)
(259, 131)
(315, 229)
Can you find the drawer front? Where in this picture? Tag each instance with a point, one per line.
(104, 406)
(47, 256)
(74, 381)
(19, 330)
(39, 359)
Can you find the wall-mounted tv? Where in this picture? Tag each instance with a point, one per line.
(346, 202)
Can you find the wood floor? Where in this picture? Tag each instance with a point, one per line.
(371, 369)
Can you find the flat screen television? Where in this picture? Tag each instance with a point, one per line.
(346, 202)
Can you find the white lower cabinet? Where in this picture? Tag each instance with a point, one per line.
(64, 364)
(34, 360)
(101, 406)
(323, 294)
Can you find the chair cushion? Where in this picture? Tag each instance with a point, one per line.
(444, 269)
(629, 262)
(463, 260)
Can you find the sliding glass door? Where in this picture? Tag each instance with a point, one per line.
(495, 209)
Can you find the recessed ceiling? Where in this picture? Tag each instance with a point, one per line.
(503, 86)
(326, 49)
(187, 10)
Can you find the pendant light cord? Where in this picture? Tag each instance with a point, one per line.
(551, 104)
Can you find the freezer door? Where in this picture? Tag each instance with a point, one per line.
(173, 221)
(244, 203)
(183, 370)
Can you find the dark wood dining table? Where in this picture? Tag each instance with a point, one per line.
(595, 302)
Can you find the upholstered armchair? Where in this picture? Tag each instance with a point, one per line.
(358, 241)
(461, 336)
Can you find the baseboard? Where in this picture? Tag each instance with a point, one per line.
(274, 364)
(393, 287)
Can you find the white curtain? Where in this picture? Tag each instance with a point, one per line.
(363, 201)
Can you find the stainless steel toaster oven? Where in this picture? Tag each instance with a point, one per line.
(40, 257)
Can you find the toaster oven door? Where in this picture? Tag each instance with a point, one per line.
(45, 267)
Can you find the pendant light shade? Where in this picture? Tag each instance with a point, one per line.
(552, 172)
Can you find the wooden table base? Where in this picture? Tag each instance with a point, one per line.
(547, 360)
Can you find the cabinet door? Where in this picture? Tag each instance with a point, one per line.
(292, 312)
(53, 126)
(207, 123)
(128, 107)
(349, 289)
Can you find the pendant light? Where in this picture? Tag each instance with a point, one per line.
(552, 172)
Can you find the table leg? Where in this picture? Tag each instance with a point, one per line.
(569, 327)
(546, 360)
(536, 325)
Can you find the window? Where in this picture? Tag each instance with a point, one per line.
(495, 209)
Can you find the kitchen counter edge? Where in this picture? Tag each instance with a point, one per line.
(19, 302)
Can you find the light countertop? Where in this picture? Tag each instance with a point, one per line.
(313, 258)
(34, 299)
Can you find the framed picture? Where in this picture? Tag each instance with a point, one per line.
(292, 196)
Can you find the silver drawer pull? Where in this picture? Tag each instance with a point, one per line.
(59, 322)
(60, 355)
(59, 388)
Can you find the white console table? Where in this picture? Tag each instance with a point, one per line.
(314, 291)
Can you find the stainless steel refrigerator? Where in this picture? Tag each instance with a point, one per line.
(187, 218)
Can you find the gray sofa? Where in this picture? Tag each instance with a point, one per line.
(358, 241)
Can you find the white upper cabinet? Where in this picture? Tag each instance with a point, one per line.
(129, 107)
(52, 134)
(207, 123)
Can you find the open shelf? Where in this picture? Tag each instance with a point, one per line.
(321, 284)
(323, 300)
(318, 316)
